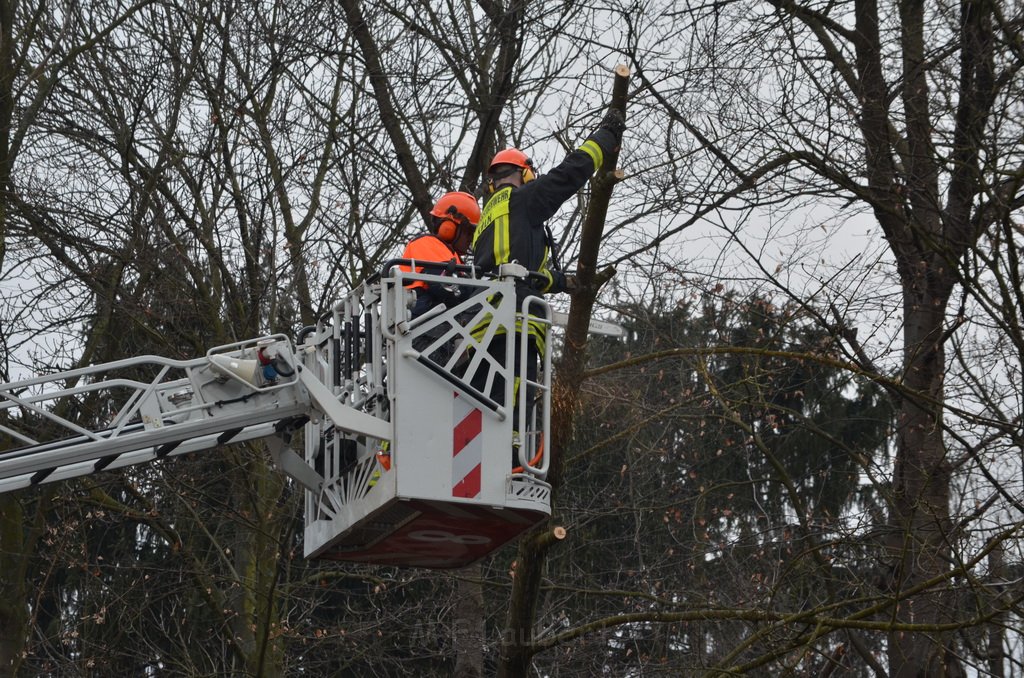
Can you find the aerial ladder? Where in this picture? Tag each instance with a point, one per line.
(406, 425)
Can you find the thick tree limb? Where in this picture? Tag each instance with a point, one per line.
(388, 115)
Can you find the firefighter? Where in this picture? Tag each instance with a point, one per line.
(512, 226)
(452, 222)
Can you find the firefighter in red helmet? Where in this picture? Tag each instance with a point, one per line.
(452, 221)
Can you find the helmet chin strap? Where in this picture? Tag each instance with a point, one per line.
(495, 180)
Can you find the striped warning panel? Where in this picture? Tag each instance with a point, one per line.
(467, 449)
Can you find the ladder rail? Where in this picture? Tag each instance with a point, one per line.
(541, 316)
(220, 399)
(96, 446)
(77, 373)
(139, 390)
(39, 472)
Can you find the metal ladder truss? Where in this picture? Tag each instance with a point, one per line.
(147, 408)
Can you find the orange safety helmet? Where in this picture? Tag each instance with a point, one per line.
(454, 209)
(515, 157)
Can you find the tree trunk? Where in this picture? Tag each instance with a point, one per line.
(996, 629)
(18, 543)
(255, 609)
(920, 520)
(7, 73)
(389, 115)
(469, 625)
(517, 640)
(14, 616)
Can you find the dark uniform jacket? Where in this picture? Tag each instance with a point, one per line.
(512, 228)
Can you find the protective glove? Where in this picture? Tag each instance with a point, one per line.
(572, 284)
(615, 122)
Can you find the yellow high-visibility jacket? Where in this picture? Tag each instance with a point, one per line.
(512, 227)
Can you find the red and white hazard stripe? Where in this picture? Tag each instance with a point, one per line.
(467, 449)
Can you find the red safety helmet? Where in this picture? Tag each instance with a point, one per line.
(515, 157)
(453, 209)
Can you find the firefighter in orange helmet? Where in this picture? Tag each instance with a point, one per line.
(512, 226)
(452, 222)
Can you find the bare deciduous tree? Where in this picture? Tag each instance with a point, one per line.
(177, 176)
